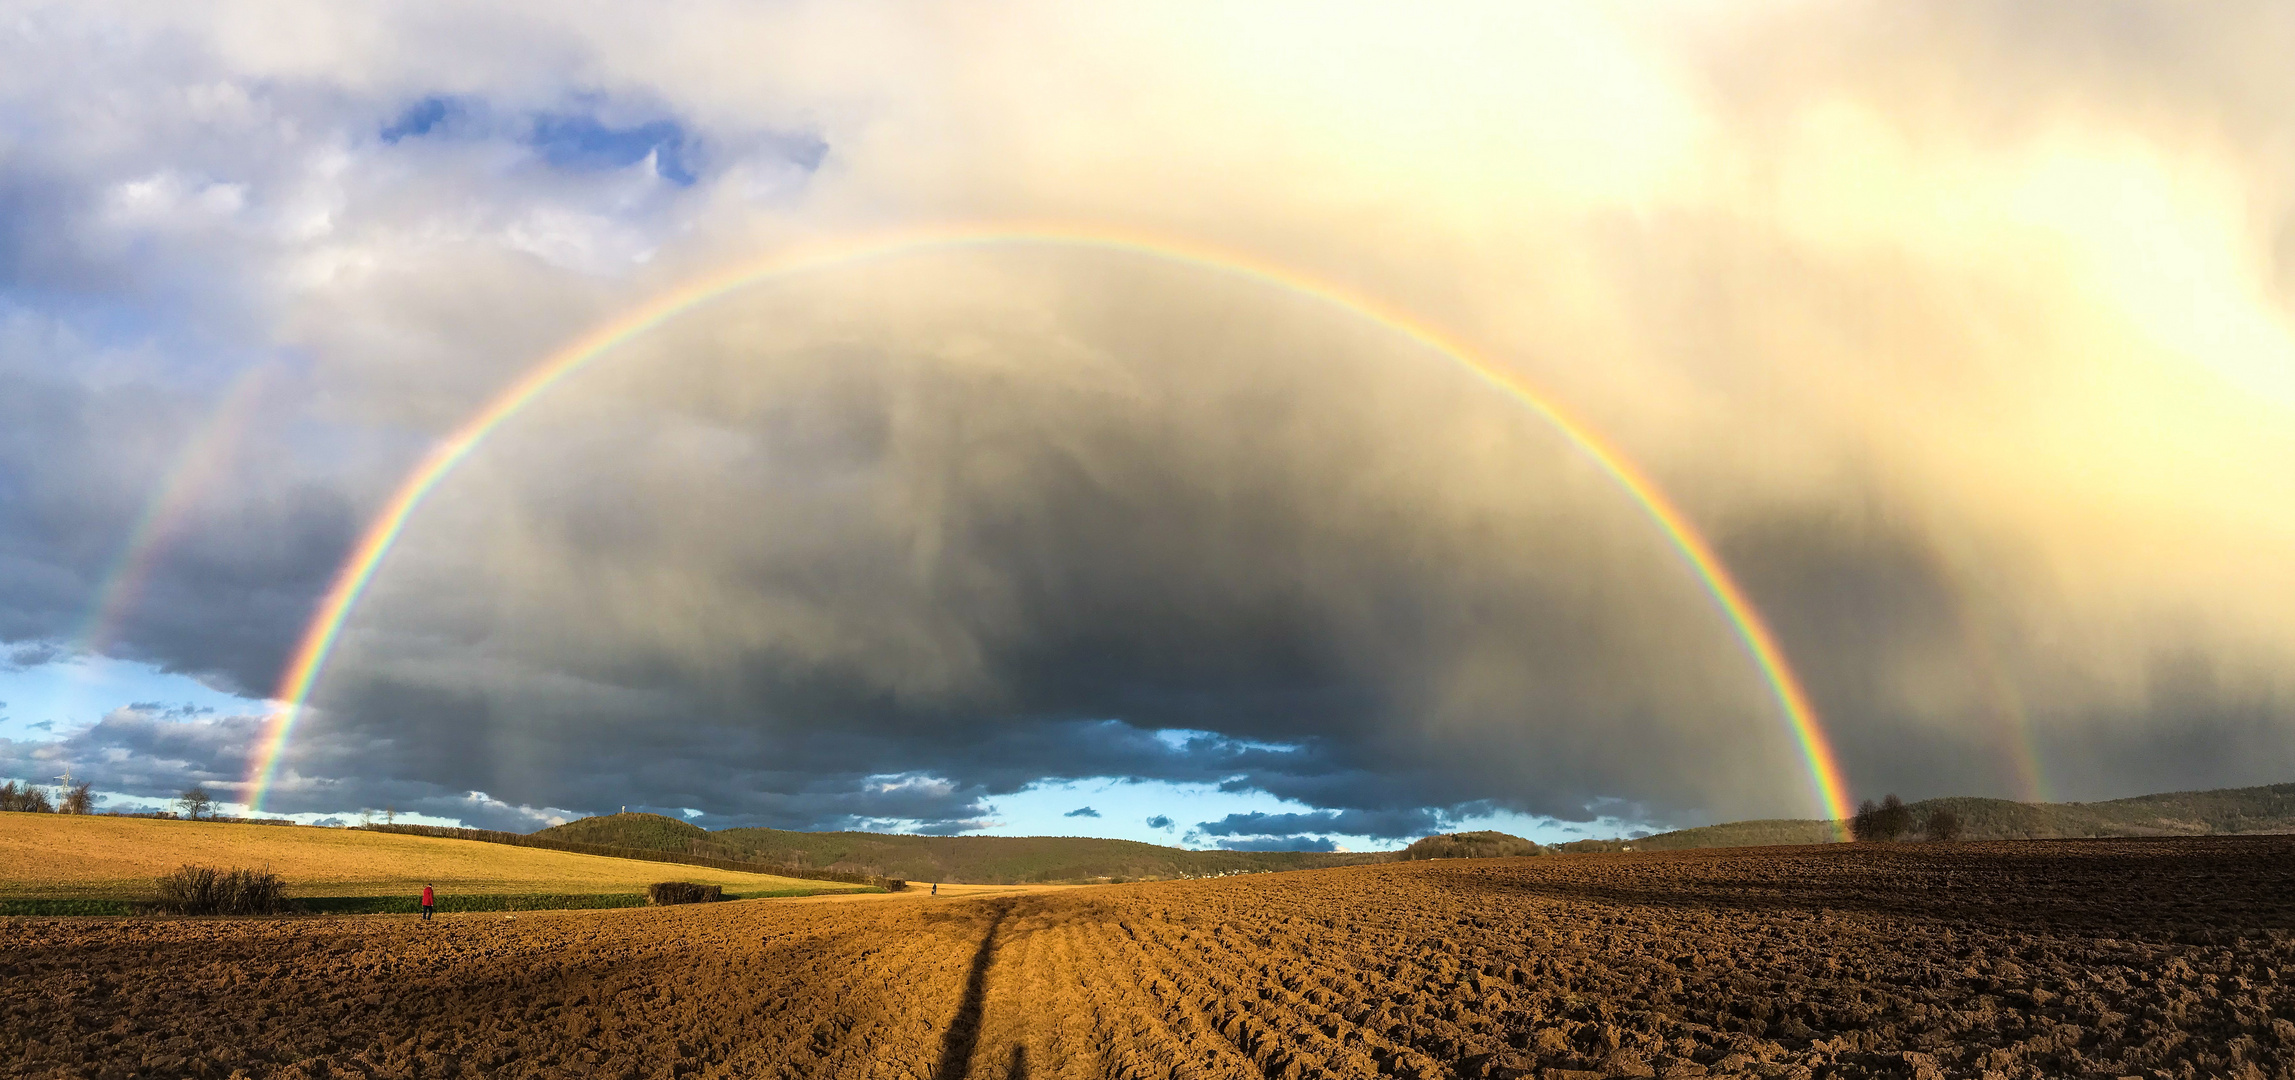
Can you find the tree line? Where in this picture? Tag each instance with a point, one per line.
(1891, 819)
(33, 799)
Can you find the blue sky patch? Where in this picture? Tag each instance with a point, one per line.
(576, 142)
(420, 118)
(584, 143)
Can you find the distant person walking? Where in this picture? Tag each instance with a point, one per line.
(428, 902)
(936, 888)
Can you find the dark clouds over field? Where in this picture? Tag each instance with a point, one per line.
(1963, 334)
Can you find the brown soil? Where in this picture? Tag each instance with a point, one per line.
(2045, 958)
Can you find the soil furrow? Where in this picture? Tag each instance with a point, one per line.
(2160, 958)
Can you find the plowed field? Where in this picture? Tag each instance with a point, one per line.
(2073, 958)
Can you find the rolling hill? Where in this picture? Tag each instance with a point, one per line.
(1005, 860)
(69, 855)
(2267, 809)
(985, 860)
(1469, 845)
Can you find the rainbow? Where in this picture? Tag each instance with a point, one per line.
(208, 451)
(351, 580)
(1999, 689)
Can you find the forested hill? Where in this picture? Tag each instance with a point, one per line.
(987, 860)
(2268, 809)
(1019, 859)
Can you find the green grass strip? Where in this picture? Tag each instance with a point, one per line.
(68, 907)
(768, 894)
(406, 905)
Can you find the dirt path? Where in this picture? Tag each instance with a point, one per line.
(2045, 959)
(923, 891)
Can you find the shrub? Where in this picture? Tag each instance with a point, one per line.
(203, 890)
(1943, 825)
(683, 892)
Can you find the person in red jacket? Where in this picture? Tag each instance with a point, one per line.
(428, 901)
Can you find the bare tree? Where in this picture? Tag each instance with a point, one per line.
(79, 800)
(1864, 827)
(27, 799)
(1885, 820)
(1943, 824)
(195, 801)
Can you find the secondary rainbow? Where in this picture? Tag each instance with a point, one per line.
(2000, 692)
(319, 637)
(196, 466)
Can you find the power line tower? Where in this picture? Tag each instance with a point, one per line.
(64, 803)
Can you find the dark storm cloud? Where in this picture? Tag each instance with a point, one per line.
(1281, 843)
(222, 598)
(32, 654)
(155, 753)
(1378, 825)
(2203, 722)
(1933, 685)
(1400, 658)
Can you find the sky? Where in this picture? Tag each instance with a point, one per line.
(1959, 334)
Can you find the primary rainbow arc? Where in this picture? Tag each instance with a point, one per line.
(351, 579)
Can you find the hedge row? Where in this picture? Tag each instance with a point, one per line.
(71, 907)
(683, 892)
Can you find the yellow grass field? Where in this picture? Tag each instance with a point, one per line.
(68, 856)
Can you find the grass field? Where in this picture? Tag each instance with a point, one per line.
(48, 856)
